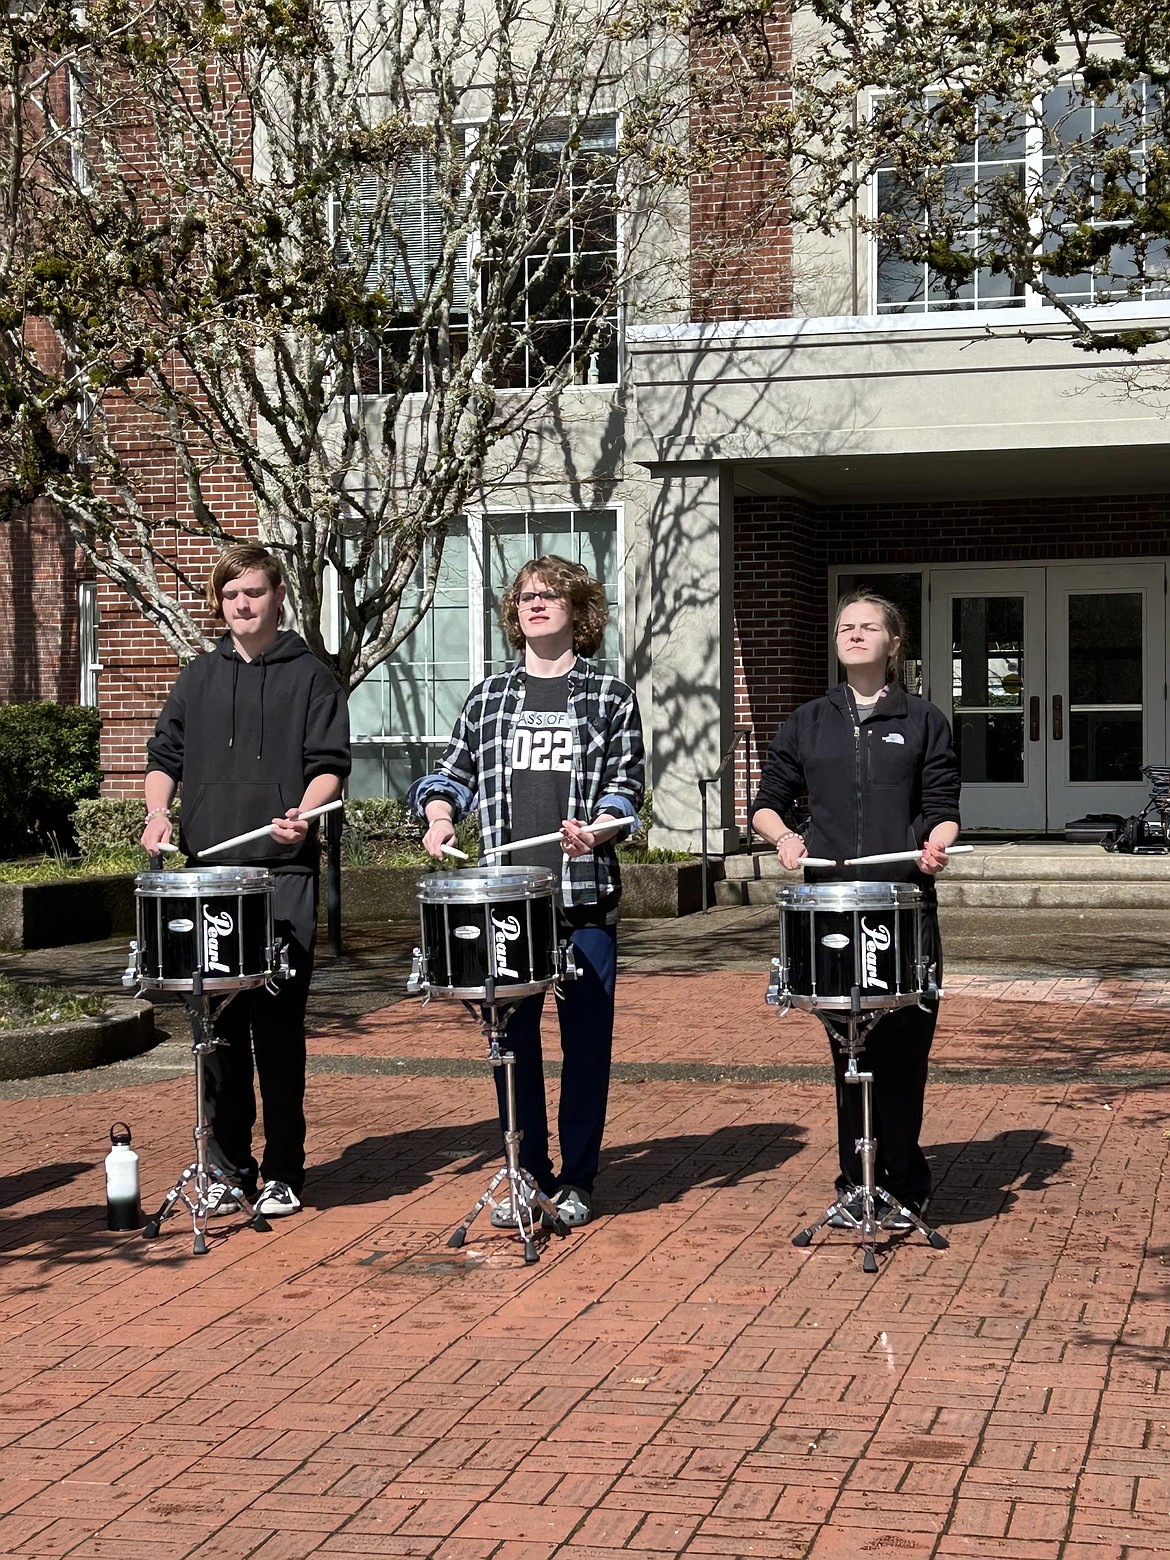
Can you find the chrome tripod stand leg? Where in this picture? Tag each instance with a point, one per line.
(530, 1207)
(204, 1174)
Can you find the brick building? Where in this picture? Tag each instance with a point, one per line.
(808, 423)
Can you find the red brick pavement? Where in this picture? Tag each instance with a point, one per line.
(675, 1379)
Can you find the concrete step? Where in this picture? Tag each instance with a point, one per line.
(1016, 875)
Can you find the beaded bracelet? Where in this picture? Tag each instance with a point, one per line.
(157, 812)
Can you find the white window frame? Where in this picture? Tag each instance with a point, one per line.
(89, 662)
(1033, 163)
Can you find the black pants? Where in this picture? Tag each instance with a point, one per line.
(897, 1051)
(265, 1035)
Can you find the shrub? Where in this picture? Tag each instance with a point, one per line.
(49, 761)
(110, 823)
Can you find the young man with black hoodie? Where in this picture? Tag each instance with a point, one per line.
(255, 731)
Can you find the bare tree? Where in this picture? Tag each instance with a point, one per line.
(1018, 152)
(347, 249)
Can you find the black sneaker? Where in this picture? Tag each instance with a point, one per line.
(853, 1207)
(276, 1200)
(900, 1218)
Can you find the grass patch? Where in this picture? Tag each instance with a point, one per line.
(50, 868)
(29, 1007)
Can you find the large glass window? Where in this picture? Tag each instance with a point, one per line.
(563, 300)
(402, 714)
(1053, 164)
(557, 277)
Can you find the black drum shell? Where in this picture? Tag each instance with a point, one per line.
(496, 924)
(217, 920)
(832, 939)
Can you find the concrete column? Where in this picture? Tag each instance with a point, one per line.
(691, 664)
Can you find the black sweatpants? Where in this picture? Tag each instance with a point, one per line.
(267, 1029)
(897, 1052)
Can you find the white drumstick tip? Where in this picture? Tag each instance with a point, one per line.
(453, 850)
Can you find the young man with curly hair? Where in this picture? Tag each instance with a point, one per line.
(552, 744)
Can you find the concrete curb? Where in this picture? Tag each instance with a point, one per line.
(126, 1030)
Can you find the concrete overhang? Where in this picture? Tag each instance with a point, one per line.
(862, 409)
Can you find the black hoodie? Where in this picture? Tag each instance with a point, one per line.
(876, 786)
(243, 739)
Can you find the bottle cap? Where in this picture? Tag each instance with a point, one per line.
(119, 1133)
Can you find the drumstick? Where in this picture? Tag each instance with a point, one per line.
(258, 834)
(453, 850)
(815, 861)
(547, 839)
(902, 855)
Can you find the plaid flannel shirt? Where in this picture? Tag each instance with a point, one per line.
(607, 774)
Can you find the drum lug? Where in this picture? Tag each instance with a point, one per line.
(417, 979)
(130, 978)
(776, 995)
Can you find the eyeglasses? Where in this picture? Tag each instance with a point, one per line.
(527, 597)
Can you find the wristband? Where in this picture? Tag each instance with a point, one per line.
(156, 812)
(793, 834)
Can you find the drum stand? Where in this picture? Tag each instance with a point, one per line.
(530, 1206)
(193, 1188)
(852, 1042)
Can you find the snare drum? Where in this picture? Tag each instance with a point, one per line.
(838, 936)
(217, 920)
(496, 924)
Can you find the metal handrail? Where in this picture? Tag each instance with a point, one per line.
(741, 734)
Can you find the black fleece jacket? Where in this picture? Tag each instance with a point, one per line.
(243, 739)
(875, 787)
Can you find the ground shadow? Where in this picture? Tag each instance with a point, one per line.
(981, 1178)
(639, 1176)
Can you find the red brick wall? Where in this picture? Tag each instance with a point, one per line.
(40, 571)
(740, 242)
(784, 550)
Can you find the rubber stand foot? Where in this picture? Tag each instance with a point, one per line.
(869, 1263)
(530, 1252)
(259, 1222)
(200, 1244)
(802, 1239)
(457, 1239)
(559, 1227)
(150, 1229)
(939, 1242)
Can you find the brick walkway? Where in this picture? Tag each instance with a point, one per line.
(675, 1379)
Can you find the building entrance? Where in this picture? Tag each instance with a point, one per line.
(1054, 680)
(1053, 677)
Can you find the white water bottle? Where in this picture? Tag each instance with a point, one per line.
(122, 1209)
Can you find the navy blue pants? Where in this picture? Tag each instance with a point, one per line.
(585, 1011)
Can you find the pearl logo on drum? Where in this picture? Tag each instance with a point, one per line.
(505, 929)
(215, 927)
(874, 940)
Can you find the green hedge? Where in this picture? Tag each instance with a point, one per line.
(49, 761)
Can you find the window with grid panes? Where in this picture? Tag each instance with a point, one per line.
(586, 536)
(563, 302)
(401, 236)
(1041, 155)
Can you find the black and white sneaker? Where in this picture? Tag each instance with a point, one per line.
(276, 1200)
(220, 1201)
(849, 1217)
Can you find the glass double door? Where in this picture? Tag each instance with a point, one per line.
(1054, 680)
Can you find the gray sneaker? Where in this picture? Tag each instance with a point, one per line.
(573, 1205)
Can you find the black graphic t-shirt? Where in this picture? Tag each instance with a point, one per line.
(542, 761)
